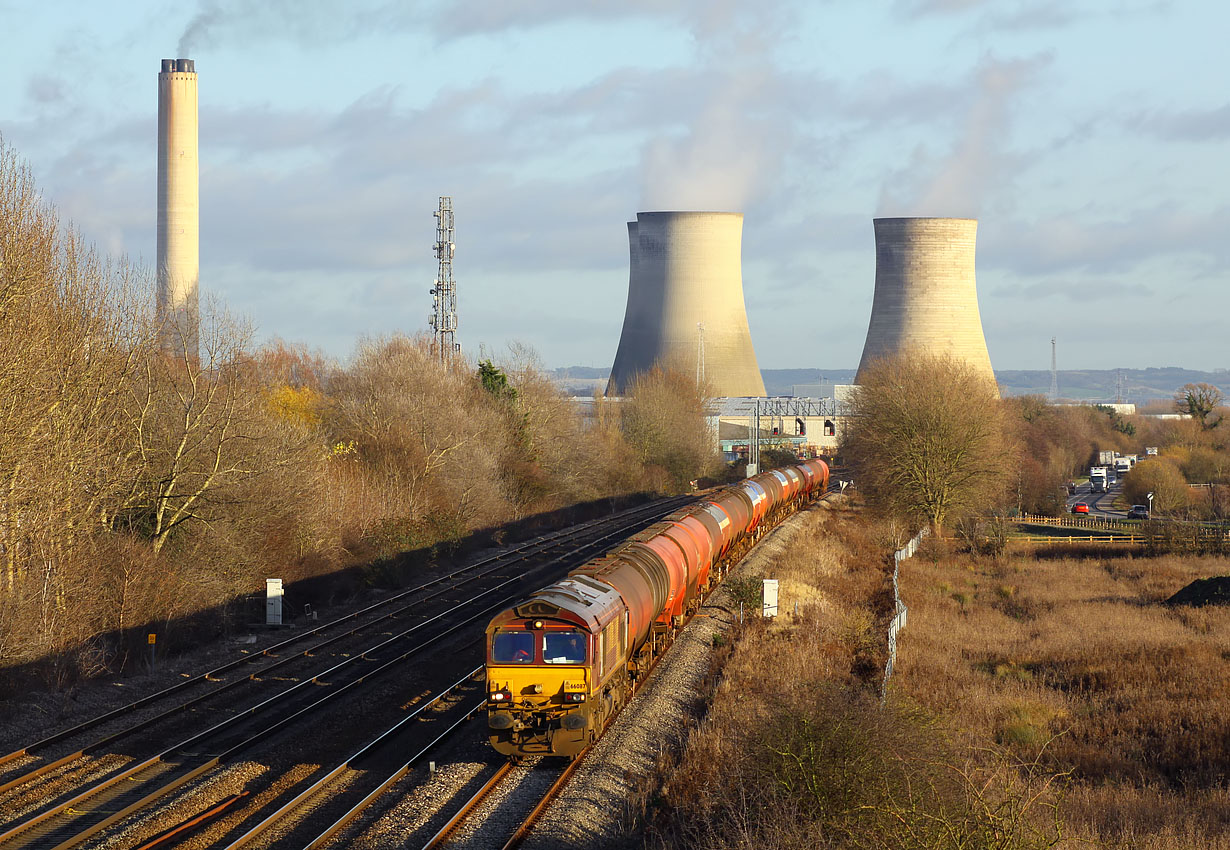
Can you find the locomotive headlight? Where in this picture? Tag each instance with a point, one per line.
(504, 695)
(574, 697)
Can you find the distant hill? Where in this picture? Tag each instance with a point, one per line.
(1138, 385)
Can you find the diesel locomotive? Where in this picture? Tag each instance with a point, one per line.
(562, 662)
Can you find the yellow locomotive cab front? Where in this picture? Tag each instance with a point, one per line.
(537, 700)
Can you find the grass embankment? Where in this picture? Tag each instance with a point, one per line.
(796, 751)
(1036, 703)
(1078, 663)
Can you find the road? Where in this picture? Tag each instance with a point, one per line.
(1099, 503)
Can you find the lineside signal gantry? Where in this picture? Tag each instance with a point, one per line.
(444, 293)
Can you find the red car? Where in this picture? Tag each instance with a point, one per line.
(1080, 508)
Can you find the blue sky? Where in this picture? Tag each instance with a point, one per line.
(1088, 138)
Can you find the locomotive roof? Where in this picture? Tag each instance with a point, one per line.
(587, 599)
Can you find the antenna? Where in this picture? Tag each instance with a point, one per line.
(1119, 386)
(700, 353)
(1054, 373)
(444, 293)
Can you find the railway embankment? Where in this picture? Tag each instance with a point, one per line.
(647, 744)
(1036, 702)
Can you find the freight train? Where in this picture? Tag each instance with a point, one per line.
(562, 662)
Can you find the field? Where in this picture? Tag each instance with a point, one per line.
(1077, 664)
(1036, 702)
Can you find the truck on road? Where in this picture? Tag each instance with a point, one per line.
(1123, 465)
(1097, 479)
(1106, 457)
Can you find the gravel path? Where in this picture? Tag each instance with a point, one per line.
(593, 811)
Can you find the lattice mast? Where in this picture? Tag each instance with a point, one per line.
(1054, 373)
(444, 292)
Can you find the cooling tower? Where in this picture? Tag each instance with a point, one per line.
(685, 302)
(178, 206)
(926, 299)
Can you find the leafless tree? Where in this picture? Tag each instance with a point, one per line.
(929, 440)
(664, 418)
(1199, 401)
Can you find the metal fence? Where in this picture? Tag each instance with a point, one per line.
(899, 619)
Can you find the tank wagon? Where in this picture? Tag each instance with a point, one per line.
(562, 662)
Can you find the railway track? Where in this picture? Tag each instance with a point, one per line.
(89, 800)
(502, 812)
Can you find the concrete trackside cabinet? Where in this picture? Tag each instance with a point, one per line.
(769, 606)
(273, 602)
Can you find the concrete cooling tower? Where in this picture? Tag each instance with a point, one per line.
(685, 302)
(178, 206)
(926, 299)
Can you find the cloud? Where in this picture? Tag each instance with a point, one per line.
(325, 22)
(45, 89)
(979, 162)
(734, 128)
(312, 23)
(1080, 290)
(1000, 16)
(1072, 242)
(1189, 125)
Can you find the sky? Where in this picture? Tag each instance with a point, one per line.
(1088, 137)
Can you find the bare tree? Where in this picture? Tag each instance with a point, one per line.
(929, 439)
(420, 436)
(664, 418)
(71, 333)
(1199, 401)
(201, 432)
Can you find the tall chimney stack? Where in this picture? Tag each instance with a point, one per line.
(926, 297)
(685, 303)
(179, 215)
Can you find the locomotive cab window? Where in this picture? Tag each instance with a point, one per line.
(512, 647)
(563, 648)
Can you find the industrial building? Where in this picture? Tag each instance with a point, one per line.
(685, 307)
(926, 298)
(179, 216)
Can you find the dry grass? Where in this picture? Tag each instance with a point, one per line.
(1078, 662)
(808, 758)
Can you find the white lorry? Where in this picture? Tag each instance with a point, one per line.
(1123, 465)
(1097, 479)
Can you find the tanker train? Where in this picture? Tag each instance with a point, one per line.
(563, 661)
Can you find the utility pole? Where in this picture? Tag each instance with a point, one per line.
(444, 292)
(700, 353)
(753, 442)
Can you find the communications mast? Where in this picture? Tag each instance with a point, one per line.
(444, 293)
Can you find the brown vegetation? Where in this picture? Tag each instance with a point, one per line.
(664, 422)
(1078, 664)
(140, 489)
(796, 751)
(929, 441)
(1058, 444)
